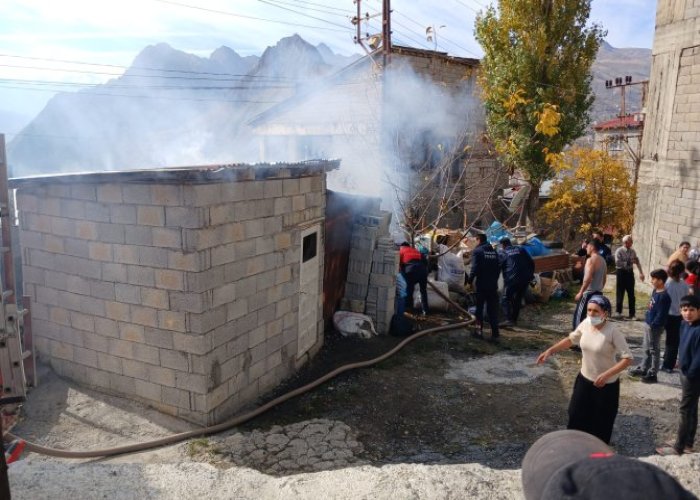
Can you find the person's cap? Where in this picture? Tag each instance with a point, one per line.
(505, 241)
(576, 465)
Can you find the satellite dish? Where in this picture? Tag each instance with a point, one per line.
(519, 197)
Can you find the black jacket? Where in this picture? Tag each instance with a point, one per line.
(485, 267)
(517, 265)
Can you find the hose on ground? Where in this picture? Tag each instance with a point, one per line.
(238, 420)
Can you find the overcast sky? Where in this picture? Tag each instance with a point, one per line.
(114, 32)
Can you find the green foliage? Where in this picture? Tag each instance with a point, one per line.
(537, 59)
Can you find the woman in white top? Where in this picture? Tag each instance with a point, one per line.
(596, 394)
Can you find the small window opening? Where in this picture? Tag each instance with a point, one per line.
(308, 249)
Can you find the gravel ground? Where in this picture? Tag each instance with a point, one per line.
(448, 417)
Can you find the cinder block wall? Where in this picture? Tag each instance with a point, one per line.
(180, 288)
(668, 201)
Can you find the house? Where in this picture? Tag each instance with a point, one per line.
(193, 289)
(668, 196)
(621, 137)
(416, 123)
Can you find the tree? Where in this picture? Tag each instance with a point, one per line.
(593, 190)
(440, 191)
(536, 82)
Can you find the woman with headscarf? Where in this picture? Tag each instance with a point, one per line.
(596, 395)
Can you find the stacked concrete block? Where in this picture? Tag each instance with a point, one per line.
(668, 195)
(371, 281)
(179, 288)
(382, 284)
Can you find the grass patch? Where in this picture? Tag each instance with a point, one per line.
(197, 446)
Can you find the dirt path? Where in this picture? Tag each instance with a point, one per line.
(448, 415)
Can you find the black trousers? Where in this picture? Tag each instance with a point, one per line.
(416, 273)
(490, 298)
(625, 284)
(514, 299)
(673, 338)
(688, 424)
(592, 409)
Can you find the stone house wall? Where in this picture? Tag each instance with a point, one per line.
(179, 288)
(668, 200)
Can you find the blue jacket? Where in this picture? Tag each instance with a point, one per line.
(657, 313)
(517, 265)
(485, 267)
(689, 350)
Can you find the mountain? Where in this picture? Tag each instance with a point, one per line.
(173, 108)
(613, 63)
(168, 108)
(335, 60)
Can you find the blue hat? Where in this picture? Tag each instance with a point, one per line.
(603, 302)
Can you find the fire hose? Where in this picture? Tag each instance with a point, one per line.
(214, 429)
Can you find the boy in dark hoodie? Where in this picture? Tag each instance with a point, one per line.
(689, 354)
(655, 320)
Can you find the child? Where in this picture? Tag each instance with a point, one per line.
(690, 378)
(676, 289)
(655, 320)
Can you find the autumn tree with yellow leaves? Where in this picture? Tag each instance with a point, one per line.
(536, 82)
(592, 190)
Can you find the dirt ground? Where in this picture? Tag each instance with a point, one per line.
(445, 399)
(410, 409)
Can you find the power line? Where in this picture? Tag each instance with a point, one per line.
(139, 96)
(348, 28)
(442, 37)
(326, 6)
(164, 77)
(140, 68)
(244, 16)
(164, 87)
(467, 6)
(331, 13)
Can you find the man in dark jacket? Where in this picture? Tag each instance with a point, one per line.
(485, 269)
(518, 270)
(604, 250)
(690, 378)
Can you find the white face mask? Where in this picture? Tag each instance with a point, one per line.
(596, 320)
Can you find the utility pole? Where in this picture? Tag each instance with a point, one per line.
(386, 31)
(623, 84)
(624, 137)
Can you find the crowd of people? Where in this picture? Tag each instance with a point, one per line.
(673, 309)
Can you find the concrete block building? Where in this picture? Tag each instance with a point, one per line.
(194, 290)
(668, 201)
(393, 122)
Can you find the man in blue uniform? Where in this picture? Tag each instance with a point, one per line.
(485, 270)
(518, 270)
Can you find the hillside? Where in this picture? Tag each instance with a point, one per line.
(174, 108)
(610, 63)
(169, 108)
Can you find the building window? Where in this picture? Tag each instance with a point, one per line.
(308, 247)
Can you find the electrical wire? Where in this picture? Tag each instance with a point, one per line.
(244, 16)
(163, 77)
(441, 37)
(322, 5)
(127, 86)
(330, 13)
(139, 68)
(158, 97)
(300, 13)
